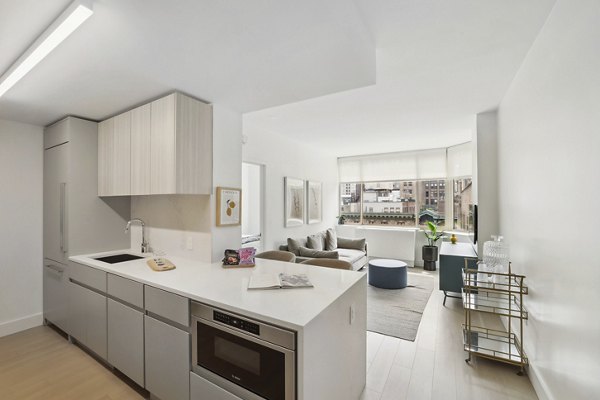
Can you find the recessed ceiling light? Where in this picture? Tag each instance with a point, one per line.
(59, 30)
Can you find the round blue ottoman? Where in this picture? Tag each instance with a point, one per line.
(387, 274)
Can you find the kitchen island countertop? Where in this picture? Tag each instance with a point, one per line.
(226, 288)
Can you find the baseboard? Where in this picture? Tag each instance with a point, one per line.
(540, 387)
(21, 324)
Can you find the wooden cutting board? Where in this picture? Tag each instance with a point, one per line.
(160, 264)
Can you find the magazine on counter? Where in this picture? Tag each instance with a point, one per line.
(280, 281)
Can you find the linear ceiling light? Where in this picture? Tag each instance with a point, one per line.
(59, 30)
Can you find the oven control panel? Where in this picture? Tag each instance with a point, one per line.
(236, 322)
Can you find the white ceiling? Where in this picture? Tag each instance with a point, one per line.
(246, 55)
(439, 62)
(353, 77)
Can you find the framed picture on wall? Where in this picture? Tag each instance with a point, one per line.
(229, 206)
(294, 201)
(314, 201)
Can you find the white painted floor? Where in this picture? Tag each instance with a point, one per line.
(433, 366)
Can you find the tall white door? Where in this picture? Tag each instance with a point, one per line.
(56, 161)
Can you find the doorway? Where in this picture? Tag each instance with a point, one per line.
(253, 205)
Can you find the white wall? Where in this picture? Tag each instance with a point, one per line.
(227, 172)
(487, 177)
(251, 186)
(549, 158)
(21, 205)
(286, 157)
(177, 225)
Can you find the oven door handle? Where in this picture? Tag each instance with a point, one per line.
(242, 335)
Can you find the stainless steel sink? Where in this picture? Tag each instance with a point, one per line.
(118, 258)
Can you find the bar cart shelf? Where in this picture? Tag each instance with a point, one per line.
(499, 294)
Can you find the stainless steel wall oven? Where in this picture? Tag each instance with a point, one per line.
(248, 358)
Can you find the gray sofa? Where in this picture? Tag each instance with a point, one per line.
(352, 250)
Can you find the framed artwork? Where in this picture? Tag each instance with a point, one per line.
(314, 201)
(294, 201)
(229, 206)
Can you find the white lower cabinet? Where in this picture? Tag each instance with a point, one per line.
(126, 340)
(201, 389)
(56, 299)
(167, 350)
(87, 318)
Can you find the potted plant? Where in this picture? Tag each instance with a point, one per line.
(430, 250)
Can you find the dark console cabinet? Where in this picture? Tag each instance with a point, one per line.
(452, 262)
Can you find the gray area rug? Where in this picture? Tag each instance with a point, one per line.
(398, 312)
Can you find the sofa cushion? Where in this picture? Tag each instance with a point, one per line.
(295, 244)
(305, 252)
(316, 242)
(351, 255)
(331, 242)
(356, 244)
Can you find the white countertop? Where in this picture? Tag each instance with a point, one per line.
(227, 288)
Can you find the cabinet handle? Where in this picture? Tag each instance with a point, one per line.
(63, 215)
(54, 268)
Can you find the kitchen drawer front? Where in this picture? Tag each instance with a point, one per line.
(124, 289)
(201, 389)
(88, 276)
(167, 305)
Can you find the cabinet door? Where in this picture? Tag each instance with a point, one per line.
(162, 146)
(114, 156)
(96, 323)
(56, 171)
(87, 318)
(121, 173)
(140, 150)
(56, 301)
(194, 146)
(167, 360)
(105, 156)
(126, 340)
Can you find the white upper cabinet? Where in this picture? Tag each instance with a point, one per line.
(162, 146)
(140, 150)
(114, 156)
(169, 149)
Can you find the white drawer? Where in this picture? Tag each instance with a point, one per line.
(88, 276)
(167, 305)
(201, 389)
(124, 289)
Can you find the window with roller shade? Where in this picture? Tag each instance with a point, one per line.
(405, 189)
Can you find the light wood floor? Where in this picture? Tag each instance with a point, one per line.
(433, 366)
(40, 364)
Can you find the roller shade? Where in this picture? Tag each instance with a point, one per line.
(460, 160)
(407, 165)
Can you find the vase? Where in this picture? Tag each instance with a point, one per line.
(495, 257)
(453, 239)
(430, 256)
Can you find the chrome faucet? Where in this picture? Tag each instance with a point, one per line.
(144, 243)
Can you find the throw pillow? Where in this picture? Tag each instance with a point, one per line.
(295, 244)
(304, 252)
(345, 243)
(331, 242)
(315, 242)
